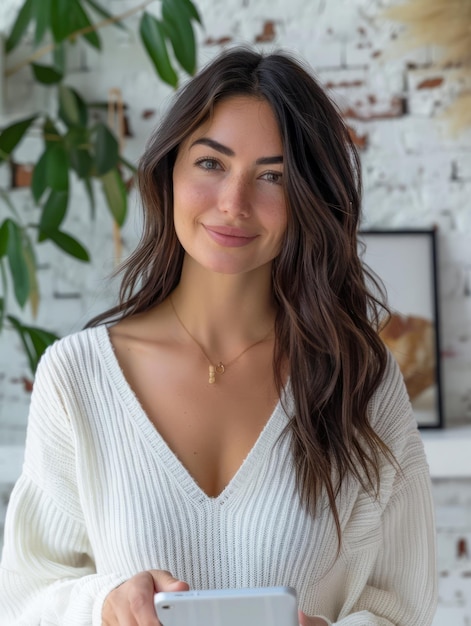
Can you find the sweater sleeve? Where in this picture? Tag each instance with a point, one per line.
(47, 573)
(401, 588)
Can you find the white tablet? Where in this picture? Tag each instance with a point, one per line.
(276, 606)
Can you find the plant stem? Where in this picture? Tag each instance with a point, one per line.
(4, 195)
(3, 275)
(82, 31)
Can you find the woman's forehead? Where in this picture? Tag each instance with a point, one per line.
(237, 119)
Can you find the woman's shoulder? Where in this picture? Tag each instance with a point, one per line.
(390, 409)
(74, 365)
(392, 382)
(75, 350)
(87, 339)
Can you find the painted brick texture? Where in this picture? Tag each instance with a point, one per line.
(415, 173)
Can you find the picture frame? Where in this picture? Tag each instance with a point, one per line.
(405, 261)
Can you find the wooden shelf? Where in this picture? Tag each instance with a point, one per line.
(448, 451)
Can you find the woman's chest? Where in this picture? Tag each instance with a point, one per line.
(144, 510)
(255, 533)
(211, 428)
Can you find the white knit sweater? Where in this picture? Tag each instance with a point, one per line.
(102, 497)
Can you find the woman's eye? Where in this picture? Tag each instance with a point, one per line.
(207, 164)
(273, 177)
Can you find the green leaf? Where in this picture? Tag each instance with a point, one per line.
(38, 182)
(178, 26)
(57, 170)
(59, 55)
(17, 262)
(68, 17)
(115, 194)
(20, 25)
(51, 170)
(191, 10)
(77, 143)
(81, 20)
(104, 13)
(40, 339)
(3, 238)
(35, 340)
(69, 244)
(33, 281)
(46, 75)
(3, 276)
(24, 336)
(51, 74)
(72, 109)
(53, 213)
(12, 135)
(61, 25)
(106, 149)
(42, 15)
(2, 313)
(91, 196)
(50, 133)
(153, 37)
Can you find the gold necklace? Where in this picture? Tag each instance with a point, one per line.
(220, 367)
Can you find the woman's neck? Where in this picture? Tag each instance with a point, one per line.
(224, 312)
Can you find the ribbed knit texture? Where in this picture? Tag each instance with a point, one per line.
(102, 497)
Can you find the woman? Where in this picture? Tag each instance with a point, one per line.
(236, 422)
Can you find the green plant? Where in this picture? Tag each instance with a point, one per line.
(72, 141)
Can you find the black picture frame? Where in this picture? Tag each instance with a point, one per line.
(406, 263)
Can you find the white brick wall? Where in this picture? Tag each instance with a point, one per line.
(415, 175)
(453, 511)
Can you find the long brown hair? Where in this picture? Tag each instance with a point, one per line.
(326, 323)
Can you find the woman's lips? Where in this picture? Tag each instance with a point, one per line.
(229, 236)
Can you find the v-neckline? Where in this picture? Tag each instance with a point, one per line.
(173, 466)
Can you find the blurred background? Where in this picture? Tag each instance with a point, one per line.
(83, 84)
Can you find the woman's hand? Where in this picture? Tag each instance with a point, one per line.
(304, 620)
(132, 603)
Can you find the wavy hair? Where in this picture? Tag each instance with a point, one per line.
(327, 319)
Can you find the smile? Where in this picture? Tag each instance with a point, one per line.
(229, 236)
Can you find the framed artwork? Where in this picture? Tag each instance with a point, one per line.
(406, 263)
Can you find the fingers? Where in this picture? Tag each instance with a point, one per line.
(304, 620)
(140, 601)
(132, 603)
(164, 581)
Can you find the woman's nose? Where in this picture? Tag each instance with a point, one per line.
(235, 197)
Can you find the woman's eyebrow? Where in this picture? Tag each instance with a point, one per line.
(211, 143)
(219, 147)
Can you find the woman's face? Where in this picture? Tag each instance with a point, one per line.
(229, 204)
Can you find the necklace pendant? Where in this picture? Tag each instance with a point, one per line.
(212, 374)
(220, 369)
